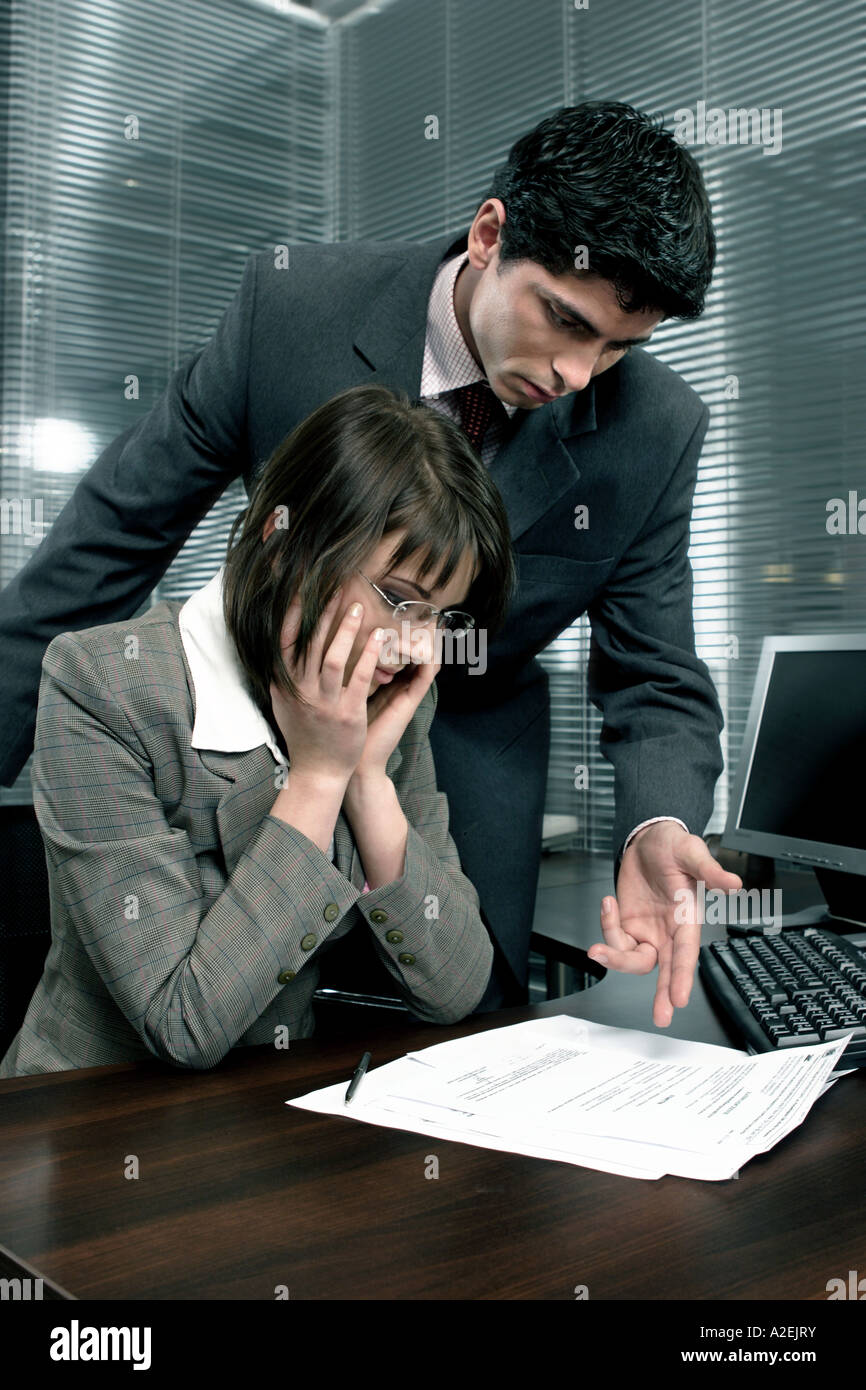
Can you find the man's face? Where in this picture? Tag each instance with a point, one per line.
(528, 328)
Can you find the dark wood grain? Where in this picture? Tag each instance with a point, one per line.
(240, 1193)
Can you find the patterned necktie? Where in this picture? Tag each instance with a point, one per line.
(478, 405)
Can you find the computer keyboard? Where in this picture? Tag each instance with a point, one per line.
(790, 989)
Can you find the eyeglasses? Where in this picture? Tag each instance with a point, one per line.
(419, 614)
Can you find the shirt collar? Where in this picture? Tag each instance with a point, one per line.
(227, 718)
(448, 363)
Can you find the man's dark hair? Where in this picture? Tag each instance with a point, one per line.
(610, 178)
(366, 464)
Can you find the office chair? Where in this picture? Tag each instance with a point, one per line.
(25, 916)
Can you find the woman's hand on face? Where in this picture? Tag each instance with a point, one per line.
(389, 711)
(326, 735)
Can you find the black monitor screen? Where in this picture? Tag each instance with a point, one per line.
(808, 772)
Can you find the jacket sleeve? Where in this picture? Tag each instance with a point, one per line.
(190, 974)
(442, 961)
(128, 517)
(661, 714)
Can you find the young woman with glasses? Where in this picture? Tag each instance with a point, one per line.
(229, 786)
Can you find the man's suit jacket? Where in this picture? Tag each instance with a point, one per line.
(626, 447)
(185, 918)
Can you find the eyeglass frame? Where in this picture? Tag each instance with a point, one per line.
(434, 612)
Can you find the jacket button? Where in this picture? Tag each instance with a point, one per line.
(308, 941)
(395, 937)
(378, 916)
(331, 912)
(284, 976)
(405, 959)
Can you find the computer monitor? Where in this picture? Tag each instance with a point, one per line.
(800, 789)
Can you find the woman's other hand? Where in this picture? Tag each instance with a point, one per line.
(326, 731)
(389, 711)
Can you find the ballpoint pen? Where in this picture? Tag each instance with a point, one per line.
(359, 1072)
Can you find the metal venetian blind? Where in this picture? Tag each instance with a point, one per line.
(121, 254)
(778, 353)
(484, 73)
(281, 191)
(431, 97)
(650, 55)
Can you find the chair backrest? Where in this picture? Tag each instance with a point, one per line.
(25, 916)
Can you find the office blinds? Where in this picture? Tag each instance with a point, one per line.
(778, 356)
(431, 95)
(153, 146)
(260, 123)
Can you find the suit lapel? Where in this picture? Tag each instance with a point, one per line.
(537, 462)
(246, 797)
(391, 338)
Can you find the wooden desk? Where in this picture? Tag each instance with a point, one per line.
(239, 1193)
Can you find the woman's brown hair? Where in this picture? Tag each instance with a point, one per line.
(367, 463)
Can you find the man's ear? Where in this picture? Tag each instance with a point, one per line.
(485, 231)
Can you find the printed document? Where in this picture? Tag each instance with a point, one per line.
(618, 1100)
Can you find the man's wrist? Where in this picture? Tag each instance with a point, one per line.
(647, 824)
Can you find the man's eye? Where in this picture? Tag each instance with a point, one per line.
(559, 320)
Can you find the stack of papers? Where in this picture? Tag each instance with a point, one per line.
(621, 1101)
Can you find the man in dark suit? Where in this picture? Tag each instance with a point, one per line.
(594, 231)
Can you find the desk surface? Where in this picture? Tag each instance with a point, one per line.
(239, 1193)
